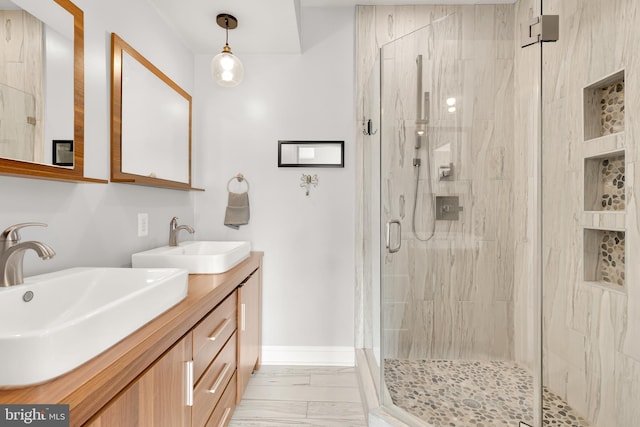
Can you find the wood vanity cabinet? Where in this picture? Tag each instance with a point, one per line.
(214, 359)
(157, 398)
(199, 380)
(249, 329)
(185, 368)
(186, 385)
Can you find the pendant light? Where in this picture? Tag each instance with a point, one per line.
(226, 68)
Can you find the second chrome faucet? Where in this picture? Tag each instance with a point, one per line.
(174, 228)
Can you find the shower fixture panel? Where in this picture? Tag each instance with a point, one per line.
(445, 172)
(448, 208)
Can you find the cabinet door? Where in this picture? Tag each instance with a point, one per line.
(249, 329)
(157, 398)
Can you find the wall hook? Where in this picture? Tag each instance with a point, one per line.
(368, 128)
(306, 181)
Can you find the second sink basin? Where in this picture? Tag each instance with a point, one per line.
(198, 257)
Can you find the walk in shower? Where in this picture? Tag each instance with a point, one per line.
(493, 230)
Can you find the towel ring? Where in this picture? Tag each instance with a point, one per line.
(240, 178)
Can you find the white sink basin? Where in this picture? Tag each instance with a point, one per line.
(198, 257)
(75, 314)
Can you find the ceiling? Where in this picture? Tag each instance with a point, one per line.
(264, 26)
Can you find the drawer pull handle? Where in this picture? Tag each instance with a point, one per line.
(218, 382)
(189, 383)
(243, 316)
(219, 329)
(223, 421)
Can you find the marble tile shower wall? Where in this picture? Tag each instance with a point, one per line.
(452, 297)
(591, 350)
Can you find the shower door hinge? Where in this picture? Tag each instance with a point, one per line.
(543, 28)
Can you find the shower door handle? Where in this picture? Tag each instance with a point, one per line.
(396, 248)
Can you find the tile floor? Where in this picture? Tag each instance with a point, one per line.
(466, 393)
(301, 396)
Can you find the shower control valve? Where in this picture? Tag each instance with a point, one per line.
(446, 172)
(448, 208)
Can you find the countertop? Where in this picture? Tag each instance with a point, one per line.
(92, 385)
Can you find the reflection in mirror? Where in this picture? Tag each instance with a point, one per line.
(62, 152)
(150, 123)
(36, 79)
(41, 88)
(311, 154)
(149, 146)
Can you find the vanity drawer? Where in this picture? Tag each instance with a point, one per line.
(210, 387)
(212, 332)
(224, 410)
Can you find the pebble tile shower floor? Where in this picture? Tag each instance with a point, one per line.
(461, 393)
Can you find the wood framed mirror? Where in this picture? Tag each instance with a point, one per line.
(150, 123)
(42, 91)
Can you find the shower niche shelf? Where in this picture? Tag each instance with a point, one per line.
(604, 107)
(604, 257)
(605, 182)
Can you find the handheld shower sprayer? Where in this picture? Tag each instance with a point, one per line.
(422, 107)
(422, 122)
(419, 129)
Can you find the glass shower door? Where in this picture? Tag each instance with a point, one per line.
(457, 316)
(371, 220)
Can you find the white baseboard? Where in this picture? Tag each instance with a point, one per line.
(312, 356)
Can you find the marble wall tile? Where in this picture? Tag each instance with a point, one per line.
(628, 389)
(604, 144)
(366, 54)
(590, 331)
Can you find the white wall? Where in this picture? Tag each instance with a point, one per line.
(308, 241)
(96, 224)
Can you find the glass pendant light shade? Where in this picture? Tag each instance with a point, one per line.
(226, 68)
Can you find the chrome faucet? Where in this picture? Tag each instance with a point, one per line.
(12, 253)
(174, 228)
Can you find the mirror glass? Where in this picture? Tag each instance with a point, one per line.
(311, 154)
(36, 80)
(150, 124)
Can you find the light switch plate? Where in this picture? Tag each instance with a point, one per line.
(143, 224)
